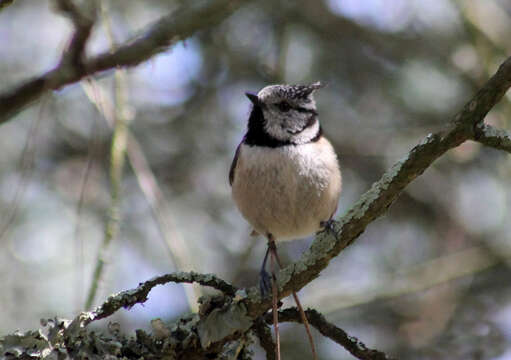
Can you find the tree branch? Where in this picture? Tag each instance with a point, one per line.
(154, 39)
(490, 136)
(350, 343)
(128, 298)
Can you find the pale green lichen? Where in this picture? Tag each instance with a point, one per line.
(31, 343)
(222, 323)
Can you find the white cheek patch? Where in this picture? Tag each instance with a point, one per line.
(274, 127)
(307, 134)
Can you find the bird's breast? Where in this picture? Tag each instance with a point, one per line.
(287, 191)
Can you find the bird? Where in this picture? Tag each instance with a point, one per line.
(285, 176)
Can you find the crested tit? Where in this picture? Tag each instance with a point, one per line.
(285, 176)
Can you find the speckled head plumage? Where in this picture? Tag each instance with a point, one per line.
(283, 115)
(295, 93)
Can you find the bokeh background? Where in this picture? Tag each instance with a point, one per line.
(430, 280)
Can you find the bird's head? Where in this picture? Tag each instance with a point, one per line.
(288, 112)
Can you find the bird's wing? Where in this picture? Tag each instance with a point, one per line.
(233, 164)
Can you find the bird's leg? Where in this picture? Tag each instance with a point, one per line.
(272, 249)
(264, 277)
(305, 322)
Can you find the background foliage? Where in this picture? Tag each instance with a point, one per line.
(427, 281)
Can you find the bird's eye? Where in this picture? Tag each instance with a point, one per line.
(284, 106)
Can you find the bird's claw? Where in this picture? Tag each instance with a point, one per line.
(327, 225)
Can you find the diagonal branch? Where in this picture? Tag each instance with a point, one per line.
(490, 136)
(154, 39)
(350, 343)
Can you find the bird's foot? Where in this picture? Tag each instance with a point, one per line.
(326, 226)
(264, 283)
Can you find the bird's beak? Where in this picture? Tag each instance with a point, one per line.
(253, 98)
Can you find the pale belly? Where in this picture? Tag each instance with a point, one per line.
(288, 191)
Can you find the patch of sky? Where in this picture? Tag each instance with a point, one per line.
(165, 78)
(395, 15)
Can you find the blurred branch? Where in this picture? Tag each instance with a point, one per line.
(174, 243)
(332, 26)
(350, 343)
(117, 159)
(5, 3)
(154, 39)
(491, 136)
(414, 279)
(488, 50)
(26, 165)
(82, 22)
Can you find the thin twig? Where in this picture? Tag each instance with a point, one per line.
(26, 166)
(177, 249)
(117, 159)
(350, 343)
